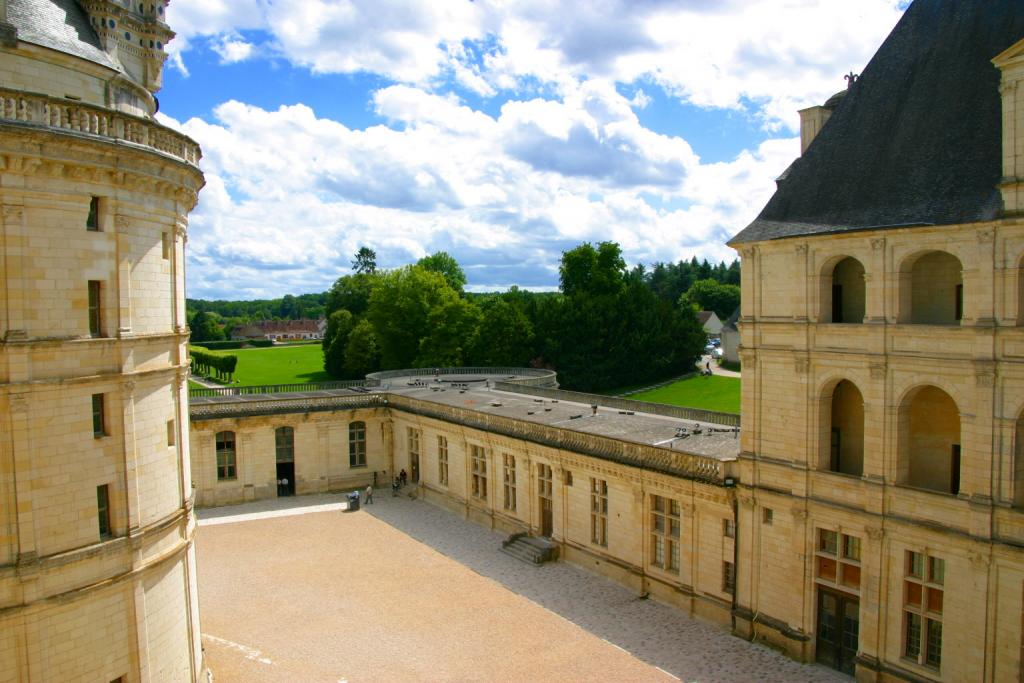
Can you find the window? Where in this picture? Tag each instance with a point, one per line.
(923, 593)
(165, 245)
(599, 512)
(837, 560)
(99, 420)
(95, 309)
(728, 577)
(103, 510)
(544, 481)
(92, 221)
(568, 478)
(284, 444)
(442, 460)
(357, 444)
(729, 528)
(226, 456)
(413, 437)
(509, 481)
(479, 467)
(665, 525)
(767, 515)
(170, 432)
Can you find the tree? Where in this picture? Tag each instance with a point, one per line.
(592, 271)
(365, 261)
(504, 337)
(352, 292)
(710, 295)
(362, 355)
(399, 309)
(451, 327)
(205, 328)
(444, 263)
(339, 327)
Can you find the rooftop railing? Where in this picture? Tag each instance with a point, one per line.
(99, 122)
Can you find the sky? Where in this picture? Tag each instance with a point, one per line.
(504, 132)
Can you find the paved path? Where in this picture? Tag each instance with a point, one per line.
(403, 590)
(716, 369)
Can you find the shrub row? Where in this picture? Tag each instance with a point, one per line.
(222, 366)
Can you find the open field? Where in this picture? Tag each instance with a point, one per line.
(710, 393)
(280, 365)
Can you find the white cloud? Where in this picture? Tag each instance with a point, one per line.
(233, 48)
(771, 56)
(291, 196)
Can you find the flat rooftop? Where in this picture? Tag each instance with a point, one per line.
(476, 393)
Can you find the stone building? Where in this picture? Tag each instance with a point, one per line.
(880, 526)
(97, 567)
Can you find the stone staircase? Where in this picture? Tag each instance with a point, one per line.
(530, 549)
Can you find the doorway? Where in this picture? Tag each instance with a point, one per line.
(414, 465)
(838, 630)
(546, 499)
(546, 517)
(285, 479)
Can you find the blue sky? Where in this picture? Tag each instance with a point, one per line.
(503, 133)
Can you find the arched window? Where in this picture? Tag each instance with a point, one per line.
(843, 433)
(929, 440)
(226, 463)
(357, 444)
(284, 441)
(932, 291)
(843, 293)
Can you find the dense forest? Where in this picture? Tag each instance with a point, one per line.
(607, 326)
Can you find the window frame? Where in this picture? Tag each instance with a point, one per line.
(95, 307)
(356, 444)
(99, 416)
(599, 512)
(226, 458)
(666, 531)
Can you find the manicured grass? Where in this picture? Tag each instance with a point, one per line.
(710, 393)
(280, 365)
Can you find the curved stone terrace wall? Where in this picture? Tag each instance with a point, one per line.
(77, 118)
(516, 376)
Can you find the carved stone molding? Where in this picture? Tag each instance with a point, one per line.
(985, 374)
(801, 248)
(13, 213)
(800, 514)
(877, 370)
(877, 243)
(978, 560)
(748, 252)
(748, 358)
(874, 533)
(121, 221)
(986, 235)
(129, 387)
(802, 365)
(745, 499)
(181, 229)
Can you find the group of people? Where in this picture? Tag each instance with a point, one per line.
(399, 482)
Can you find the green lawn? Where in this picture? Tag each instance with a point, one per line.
(280, 365)
(710, 393)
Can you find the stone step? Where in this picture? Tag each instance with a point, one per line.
(529, 549)
(520, 553)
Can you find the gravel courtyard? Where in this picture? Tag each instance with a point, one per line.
(297, 590)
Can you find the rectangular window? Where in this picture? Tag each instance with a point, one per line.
(599, 512)
(170, 432)
(959, 303)
(954, 470)
(509, 482)
(92, 221)
(413, 439)
(923, 597)
(665, 531)
(99, 419)
(357, 444)
(95, 308)
(767, 515)
(728, 577)
(568, 477)
(165, 245)
(544, 480)
(837, 560)
(729, 528)
(226, 465)
(442, 460)
(103, 510)
(479, 467)
(284, 444)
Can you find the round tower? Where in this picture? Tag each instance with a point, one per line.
(97, 565)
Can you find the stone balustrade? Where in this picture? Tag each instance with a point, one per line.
(99, 122)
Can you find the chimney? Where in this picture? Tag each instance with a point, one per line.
(813, 119)
(1011, 88)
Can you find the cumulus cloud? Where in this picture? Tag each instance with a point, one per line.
(233, 48)
(291, 196)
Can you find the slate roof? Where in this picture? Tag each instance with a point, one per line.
(916, 141)
(59, 25)
(730, 324)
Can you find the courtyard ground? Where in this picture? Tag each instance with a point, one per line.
(298, 590)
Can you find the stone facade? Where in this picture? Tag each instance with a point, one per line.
(97, 566)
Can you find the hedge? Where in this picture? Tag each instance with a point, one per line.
(220, 365)
(220, 345)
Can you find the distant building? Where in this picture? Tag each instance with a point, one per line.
(730, 337)
(710, 322)
(281, 330)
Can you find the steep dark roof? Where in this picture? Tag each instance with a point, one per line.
(730, 324)
(917, 141)
(59, 25)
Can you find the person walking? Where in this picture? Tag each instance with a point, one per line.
(369, 494)
(403, 476)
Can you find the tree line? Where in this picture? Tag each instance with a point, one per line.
(607, 326)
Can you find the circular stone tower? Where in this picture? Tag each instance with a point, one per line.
(97, 565)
